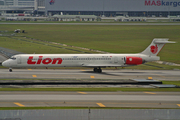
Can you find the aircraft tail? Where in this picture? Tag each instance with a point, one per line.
(155, 47)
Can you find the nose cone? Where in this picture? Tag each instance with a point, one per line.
(5, 64)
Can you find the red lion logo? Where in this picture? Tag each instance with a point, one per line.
(154, 49)
(52, 2)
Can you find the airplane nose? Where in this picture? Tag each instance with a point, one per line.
(5, 64)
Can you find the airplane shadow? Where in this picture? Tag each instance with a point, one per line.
(103, 73)
(106, 73)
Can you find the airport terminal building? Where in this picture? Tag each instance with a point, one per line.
(132, 8)
(143, 8)
(21, 6)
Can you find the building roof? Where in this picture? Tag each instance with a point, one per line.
(75, 16)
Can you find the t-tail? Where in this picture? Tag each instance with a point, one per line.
(155, 47)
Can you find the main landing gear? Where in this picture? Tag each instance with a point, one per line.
(10, 69)
(98, 70)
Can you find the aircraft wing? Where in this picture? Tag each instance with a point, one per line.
(101, 65)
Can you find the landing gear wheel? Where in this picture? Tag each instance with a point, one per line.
(95, 70)
(10, 70)
(99, 70)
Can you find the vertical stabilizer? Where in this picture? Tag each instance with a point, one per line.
(155, 47)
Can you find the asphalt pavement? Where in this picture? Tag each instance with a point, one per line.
(90, 99)
(169, 75)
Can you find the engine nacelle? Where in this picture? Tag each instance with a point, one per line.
(133, 60)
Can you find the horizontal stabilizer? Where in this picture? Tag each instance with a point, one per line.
(162, 41)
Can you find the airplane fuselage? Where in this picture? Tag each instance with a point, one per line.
(96, 61)
(76, 60)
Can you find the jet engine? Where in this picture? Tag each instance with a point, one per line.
(133, 60)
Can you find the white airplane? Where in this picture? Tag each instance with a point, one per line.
(96, 61)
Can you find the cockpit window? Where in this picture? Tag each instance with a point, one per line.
(13, 58)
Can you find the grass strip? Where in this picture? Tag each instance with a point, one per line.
(113, 39)
(172, 82)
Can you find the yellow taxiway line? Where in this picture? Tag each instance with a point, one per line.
(34, 75)
(92, 76)
(82, 92)
(100, 104)
(19, 104)
(149, 93)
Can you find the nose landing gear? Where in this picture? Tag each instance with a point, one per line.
(98, 70)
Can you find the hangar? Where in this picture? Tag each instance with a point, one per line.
(140, 8)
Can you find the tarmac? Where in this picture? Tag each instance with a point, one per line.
(90, 99)
(80, 74)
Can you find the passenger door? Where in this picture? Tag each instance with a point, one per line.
(18, 59)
